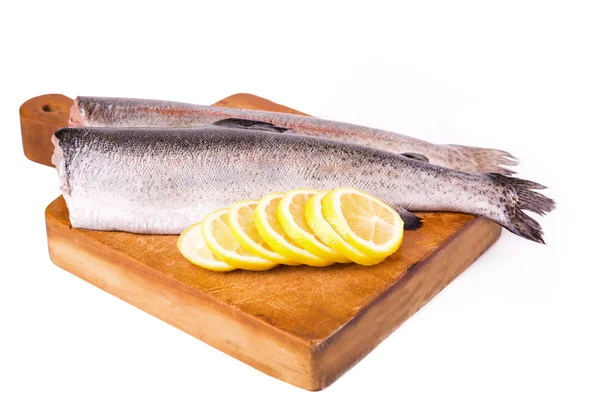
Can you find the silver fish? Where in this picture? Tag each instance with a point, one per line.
(155, 180)
(123, 112)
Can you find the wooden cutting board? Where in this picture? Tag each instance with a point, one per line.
(303, 325)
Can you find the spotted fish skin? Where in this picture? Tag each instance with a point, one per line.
(124, 112)
(155, 180)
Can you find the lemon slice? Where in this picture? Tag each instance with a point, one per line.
(192, 246)
(365, 222)
(291, 216)
(265, 218)
(241, 223)
(325, 232)
(220, 240)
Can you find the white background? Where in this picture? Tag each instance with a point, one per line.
(517, 75)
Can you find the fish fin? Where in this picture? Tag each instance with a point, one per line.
(416, 157)
(249, 124)
(486, 160)
(411, 221)
(517, 221)
(527, 198)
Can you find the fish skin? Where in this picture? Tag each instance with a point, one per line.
(159, 181)
(125, 112)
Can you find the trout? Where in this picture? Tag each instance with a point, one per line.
(128, 113)
(159, 181)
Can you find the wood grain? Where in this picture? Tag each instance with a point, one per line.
(306, 326)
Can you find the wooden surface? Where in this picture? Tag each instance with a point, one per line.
(303, 325)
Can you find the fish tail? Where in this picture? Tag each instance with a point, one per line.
(486, 160)
(525, 226)
(522, 197)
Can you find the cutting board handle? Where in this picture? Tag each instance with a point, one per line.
(40, 117)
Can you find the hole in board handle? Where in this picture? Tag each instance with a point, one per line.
(49, 107)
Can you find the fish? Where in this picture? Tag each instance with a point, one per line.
(160, 181)
(128, 113)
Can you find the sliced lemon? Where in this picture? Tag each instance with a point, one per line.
(364, 221)
(241, 223)
(325, 232)
(269, 228)
(192, 246)
(291, 216)
(220, 240)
